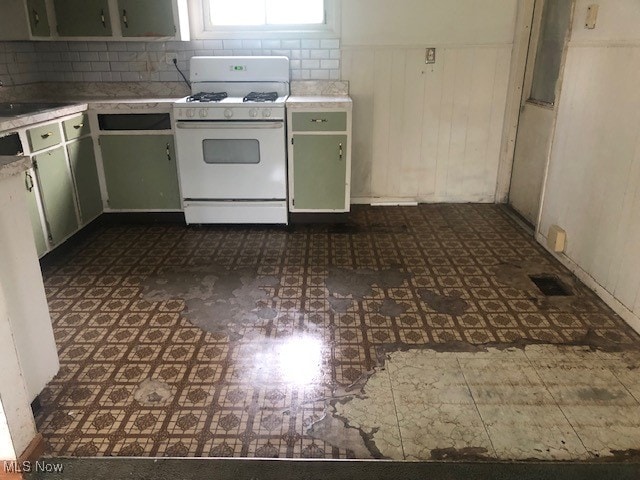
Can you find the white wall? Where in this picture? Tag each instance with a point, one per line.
(427, 132)
(593, 183)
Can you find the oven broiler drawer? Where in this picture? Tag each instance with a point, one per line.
(247, 212)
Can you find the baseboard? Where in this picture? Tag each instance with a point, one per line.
(439, 199)
(12, 470)
(627, 315)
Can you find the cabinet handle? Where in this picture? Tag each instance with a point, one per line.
(168, 152)
(125, 20)
(340, 150)
(36, 17)
(28, 182)
(46, 135)
(78, 126)
(319, 120)
(102, 19)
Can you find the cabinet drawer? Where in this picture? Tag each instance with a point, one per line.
(76, 127)
(319, 121)
(44, 137)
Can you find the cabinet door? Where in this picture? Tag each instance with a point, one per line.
(319, 172)
(34, 213)
(146, 18)
(85, 174)
(83, 18)
(140, 172)
(38, 19)
(58, 199)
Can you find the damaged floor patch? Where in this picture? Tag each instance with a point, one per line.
(542, 402)
(217, 300)
(153, 393)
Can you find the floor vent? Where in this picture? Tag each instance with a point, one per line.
(550, 285)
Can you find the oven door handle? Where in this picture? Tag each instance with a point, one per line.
(228, 125)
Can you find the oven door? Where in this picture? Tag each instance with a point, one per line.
(231, 160)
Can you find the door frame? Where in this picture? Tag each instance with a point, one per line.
(525, 67)
(519, 57)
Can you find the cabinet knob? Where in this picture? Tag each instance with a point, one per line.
(78, 126)
(168, 152)
(125, 20)
(46, 135)
(103, 19)
(340, 150)
(36, 17)
(319, 120)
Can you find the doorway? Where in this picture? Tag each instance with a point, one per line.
(550, 33)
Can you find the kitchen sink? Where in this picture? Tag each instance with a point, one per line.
(17, 109)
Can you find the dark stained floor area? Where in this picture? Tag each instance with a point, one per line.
(233, 341)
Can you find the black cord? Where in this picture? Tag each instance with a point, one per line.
(175, 64)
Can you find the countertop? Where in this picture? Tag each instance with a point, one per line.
(158, 104)
(13, 165)
(319, 101)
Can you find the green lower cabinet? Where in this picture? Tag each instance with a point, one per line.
(319, 172)
(83, 18)
(85, 174)
(38, 19)
(34, 213)
(58, 198)
(146, 18)
(140, 172)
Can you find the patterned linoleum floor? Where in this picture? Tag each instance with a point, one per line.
(229, 341)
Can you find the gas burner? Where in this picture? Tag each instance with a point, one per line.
(207, 97)
(261, 97)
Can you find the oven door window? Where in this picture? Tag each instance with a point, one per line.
(229, 151)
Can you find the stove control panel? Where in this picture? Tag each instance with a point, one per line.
(220, 113)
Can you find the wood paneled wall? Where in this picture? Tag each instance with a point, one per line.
(427, 133)
(592, 187)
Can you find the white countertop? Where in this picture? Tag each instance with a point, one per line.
(319, 101)
(12, 123)
(157, 104)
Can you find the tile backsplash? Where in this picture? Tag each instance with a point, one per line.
(29, 62)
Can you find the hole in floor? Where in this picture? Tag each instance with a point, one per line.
(551, 286)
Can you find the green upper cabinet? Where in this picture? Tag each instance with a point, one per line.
(38, 19)
(146, 18)
(319, 172)
(140, 172)
(85, 175)
(58, 198)
(83, 18)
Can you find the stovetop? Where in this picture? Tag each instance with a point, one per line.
(223, 97)
(206, 97)
(261, 97)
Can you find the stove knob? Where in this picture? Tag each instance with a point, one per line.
(253, 112)
(191, 112)
(228, 113)
(203, 112)
(266, 112)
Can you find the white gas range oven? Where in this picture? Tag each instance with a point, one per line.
(230, 140)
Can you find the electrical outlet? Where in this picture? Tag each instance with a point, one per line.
(430, 56)
(169, 56)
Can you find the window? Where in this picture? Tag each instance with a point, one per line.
(264, 18)
(556, 21)
(265, 12)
